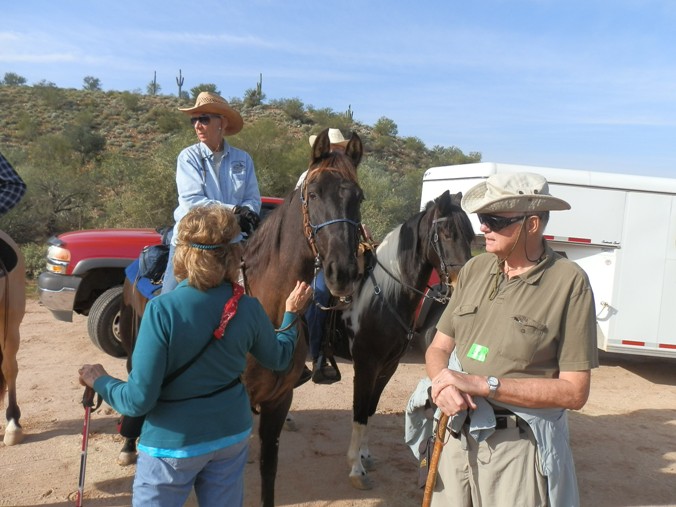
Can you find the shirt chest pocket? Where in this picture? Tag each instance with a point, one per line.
(463, 320)
(238, 176)
(524, 337)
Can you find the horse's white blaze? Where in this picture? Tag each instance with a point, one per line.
(354, 451)
(387, 256)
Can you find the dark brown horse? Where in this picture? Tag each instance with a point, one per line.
(316, 225)
(12, 310)
(380, 321)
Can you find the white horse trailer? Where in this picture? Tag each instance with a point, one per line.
(621, 230)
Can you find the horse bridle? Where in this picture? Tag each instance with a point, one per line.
(444, 276)
(311, 231)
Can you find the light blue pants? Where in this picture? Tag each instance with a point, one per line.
(218, 478)
(169, 282)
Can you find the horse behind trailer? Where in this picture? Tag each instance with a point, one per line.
(316, 225)
(12, 310)
(379, 324)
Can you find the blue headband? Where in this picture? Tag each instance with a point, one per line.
(201, 246)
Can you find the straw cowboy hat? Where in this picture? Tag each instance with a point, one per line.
(335, 137)
(212, 103)
(506, 192)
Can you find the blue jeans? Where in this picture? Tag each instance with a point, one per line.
(316, 317)
(218, 478)
(169, 283)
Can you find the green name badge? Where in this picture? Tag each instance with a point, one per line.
(478, 352)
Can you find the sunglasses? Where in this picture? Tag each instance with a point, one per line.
(496, 223)
(204, 119)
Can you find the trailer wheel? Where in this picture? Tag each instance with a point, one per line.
(103, 323)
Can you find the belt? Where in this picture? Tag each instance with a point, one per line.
(502, 422)
(503, 419)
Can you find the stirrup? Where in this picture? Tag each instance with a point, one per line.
(325, 371)
(305, 375)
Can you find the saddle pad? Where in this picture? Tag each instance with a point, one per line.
(144, 285)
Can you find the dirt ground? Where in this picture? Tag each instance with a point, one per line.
(624, 440)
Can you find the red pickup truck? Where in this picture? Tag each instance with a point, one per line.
(85, 274)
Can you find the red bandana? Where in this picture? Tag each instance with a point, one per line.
(229, 310)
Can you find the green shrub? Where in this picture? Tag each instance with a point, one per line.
(35, 254)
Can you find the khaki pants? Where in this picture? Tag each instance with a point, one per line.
(500, 471)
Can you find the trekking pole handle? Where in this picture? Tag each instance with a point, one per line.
(88, 397)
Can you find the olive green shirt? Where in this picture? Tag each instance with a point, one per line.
(533, 325)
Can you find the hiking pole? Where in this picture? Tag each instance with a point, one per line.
(434, 461)
(88, 404)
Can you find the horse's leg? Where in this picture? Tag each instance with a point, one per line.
(358, 454)
(272, 417)
(130, 429)
(10, 368)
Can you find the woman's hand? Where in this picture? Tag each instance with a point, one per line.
(89, 373)
(299, 298)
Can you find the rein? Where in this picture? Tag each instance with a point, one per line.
(442, 298)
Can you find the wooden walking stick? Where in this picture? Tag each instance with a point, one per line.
(434, 461)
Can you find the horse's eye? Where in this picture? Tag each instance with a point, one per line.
(312, 195)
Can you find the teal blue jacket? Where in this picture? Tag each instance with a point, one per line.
(174, 328)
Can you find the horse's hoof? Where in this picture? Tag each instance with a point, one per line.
(368, 463)
(362, 482)
(13, 434)
(124, 459)
(290, 424)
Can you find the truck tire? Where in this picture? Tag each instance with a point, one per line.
(103, 322)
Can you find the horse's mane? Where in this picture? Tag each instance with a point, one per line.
(260, 247)
(336, 162)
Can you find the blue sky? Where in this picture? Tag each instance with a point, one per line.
(580, 84)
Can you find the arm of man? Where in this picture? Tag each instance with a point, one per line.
(445, 394)
(453, 391)
(252, 194)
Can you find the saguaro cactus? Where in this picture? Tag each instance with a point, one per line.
(179, 82)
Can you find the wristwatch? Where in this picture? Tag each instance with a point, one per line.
(493, 384)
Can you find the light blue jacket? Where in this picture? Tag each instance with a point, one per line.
(549, 426)
(198, 181)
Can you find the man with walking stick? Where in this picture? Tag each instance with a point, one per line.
(513, 352)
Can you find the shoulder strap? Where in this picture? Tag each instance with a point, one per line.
(229, 311)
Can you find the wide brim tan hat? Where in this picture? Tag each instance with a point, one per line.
(512, 192)
(335, 137)
(212, 103)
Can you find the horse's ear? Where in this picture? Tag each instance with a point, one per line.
(354, 149)
(444, 200)
(321, 147)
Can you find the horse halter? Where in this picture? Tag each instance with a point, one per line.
(444, 276)
(311, 229)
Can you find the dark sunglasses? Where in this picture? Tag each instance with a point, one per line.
(204, 119)
(496, 223)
